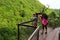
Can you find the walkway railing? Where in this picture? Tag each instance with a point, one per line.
(59, 34)
(35, 34)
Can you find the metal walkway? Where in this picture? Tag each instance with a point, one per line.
(53, 34)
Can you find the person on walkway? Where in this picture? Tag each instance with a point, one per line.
(35, 19)
(44, 18)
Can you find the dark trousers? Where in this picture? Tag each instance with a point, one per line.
(44, 26)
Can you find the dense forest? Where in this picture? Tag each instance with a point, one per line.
(13, 12)
(57, 11)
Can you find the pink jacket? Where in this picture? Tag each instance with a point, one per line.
(44, 21)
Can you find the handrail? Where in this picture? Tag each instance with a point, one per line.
(24, 24)
(59, 34)
(37, 29)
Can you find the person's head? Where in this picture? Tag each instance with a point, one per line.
(36, 14)
(40, 14)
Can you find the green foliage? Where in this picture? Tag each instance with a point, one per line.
(54, 20)
(57, 11)
(13, 12)
(8, 34)
(52, 15)
(22, 13)
(26, 32)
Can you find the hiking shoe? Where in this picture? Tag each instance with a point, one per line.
(45, 32)
(42, 33)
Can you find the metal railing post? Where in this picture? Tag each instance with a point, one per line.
(18, 32)
(59, 35)
(38, 35)
(24, 24)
